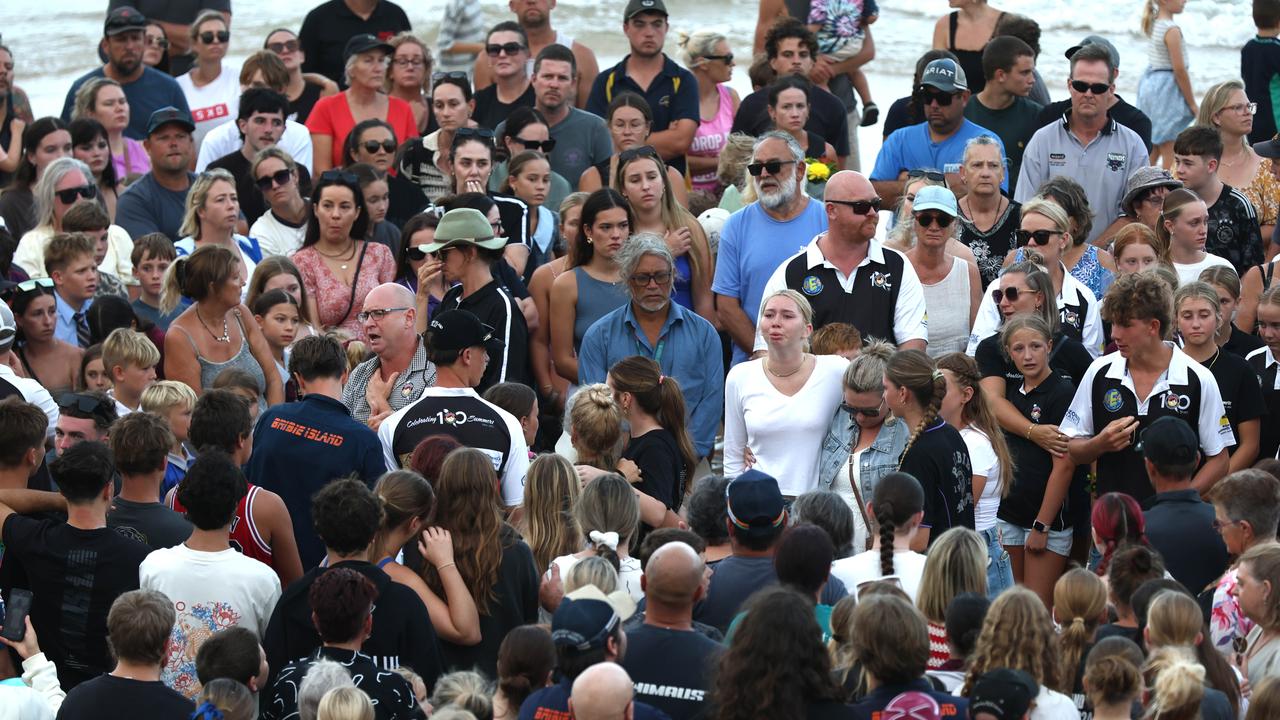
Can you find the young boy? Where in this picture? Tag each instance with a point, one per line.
(243, 384)
(173, 401)
(1233, 223)
(1260, 68)
(152, 255)
(69, 261)
(130, 359)
(88, 218)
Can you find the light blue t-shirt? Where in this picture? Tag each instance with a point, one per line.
(752, 246)
(911, 148)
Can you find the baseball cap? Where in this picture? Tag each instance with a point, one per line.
(584, 624)
(1004, 693)
(1100, 41)
(464, 226)
(167, 115)
(935, 197)
(1148, 178)
(1268, 149)
(459, 330)
(754, 502)
(364, 42)
(1170, 441)
(946, 75)
(912, 705)
(122, 20)
(8, 328)
(635, 7)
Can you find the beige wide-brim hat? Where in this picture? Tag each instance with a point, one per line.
(464, 226)
(620, 600)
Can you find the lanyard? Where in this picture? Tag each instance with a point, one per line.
(657, 353)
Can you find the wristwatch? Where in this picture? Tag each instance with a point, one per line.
(1037, 526)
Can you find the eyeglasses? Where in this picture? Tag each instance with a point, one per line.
(280, 48)
(413, 62)
(278, 178)
(642, 280)
(930, 96)
(1219, 525)
(726, 59)
(927, 219)
(859, 207)
(99, 407)
(339, 176)
(378, 314)
(1082, 87)
(773, 166)
(1248, 108)
(159, 42)
(869, 412)
(373, 146)
(544, 146)
(1039, 237)
(511, 48)
(68, 196)
(416, 254)
(1011, 294)
(933, 175)
(627, 156)
(221, 37)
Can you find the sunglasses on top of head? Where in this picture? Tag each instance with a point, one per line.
(68, 196)
(221, 36)
(1082, 87)
(1039, 237)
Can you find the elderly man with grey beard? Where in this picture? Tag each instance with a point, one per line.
(759, 237)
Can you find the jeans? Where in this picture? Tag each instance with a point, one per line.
(999, 568)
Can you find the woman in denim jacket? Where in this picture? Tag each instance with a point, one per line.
(864, 442)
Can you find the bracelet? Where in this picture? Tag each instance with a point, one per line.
(448, 564)
(1030, 427)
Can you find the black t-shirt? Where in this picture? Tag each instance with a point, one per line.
(1242, 343)
(901, 114)
(404, 200)
(939, 459)
(1014, 125)
(1068, 360)
(990, 247)
(490, 110)
(74, 575)
(327, 28)
(662, 471)
(1233, 231)
(392, 695)
(1122, 112)
(300, 107)
(1259, 64)
(107, 695)
(1241, 393)
(252, 204)
(827, 117)
(1269, 443)
(672, 669)
(1046, 404)
(155, 524)
(495, 307)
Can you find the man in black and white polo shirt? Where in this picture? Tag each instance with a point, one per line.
(848, 276)
(459, 346)
(1146, 379)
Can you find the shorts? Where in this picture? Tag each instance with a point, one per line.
(1013, 536)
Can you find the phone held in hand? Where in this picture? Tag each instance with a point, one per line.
(15, 616)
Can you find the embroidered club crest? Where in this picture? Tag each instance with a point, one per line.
(1116, 161)
(881, 281)
(407, 391)
(1112, 400)
(1035, 413)
(811, 285)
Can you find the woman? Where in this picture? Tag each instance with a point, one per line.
(776, 407)
(212, 89)
(659, 442)
(630, 122)
(333, 117)
(103, 99)
(373, 142)
(213, 209)
(789, 111)
(1226, 108)
(495, 564)
(46, 359)
(552, 386)
(526, 129)
(864, 440)
(642, 179)
(427, 287)
(452, 105)
(1245, 510)
(952, 287)
(609, 517)
(1199, 314)
(550, 494)
(89, 146)
(957, 563)
(1184, 227)
(1093, 267)
(470, 166)
(283, 227)
(1144, 198)
(1117, 523)
(408, 74)
(407, 502)
(965, 31)
(1258, 576)
(1079, 605)
(1256, 282)
(304, 89)
(936, 453)
(43, 141)
(337, 265)
(1137, 248)
(156, 54)
(590, 287)
(1174, 620)
(988, 219)
(216, 331)
(706, 53)
(525, 661)
(902, 236)
(529, 182)
(898, 508)
(277, 272)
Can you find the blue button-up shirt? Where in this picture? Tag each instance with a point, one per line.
(65, 330)
(688, 349)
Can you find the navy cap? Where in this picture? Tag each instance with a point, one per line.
(1006, 694)
(1170, 441)
(754, 502)
(583, 624)
(459, 330)
(364, 42)
(122, 20)
(170, 115)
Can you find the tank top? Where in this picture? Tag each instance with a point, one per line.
(244, 535)
(711, 137)
(596, 299)
(301, 107)
(970, 60)
(1157, 52)
(243, 360)
(947, 311)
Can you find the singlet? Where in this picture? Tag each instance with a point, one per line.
(596, 299)
(947, 309)
(817, 145)
(970, 60)
(299, 109)
(561, 39)
(711, 137)
(244, 536)
(1157, 51)
(243, 360)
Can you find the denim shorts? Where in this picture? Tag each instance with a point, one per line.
(1013, 536)
(999, 568)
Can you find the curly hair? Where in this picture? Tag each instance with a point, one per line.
(346, 515)
(468, 507)
(341, 599)
(550, 491)
(1139, 296)
(211, 490)
(1017, 634)
(1079, 604)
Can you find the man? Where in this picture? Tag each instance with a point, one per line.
(263, 70)
(316, 432)
(1086, 143)
(1176, 517)
(22, 425)
(139, 625)
(235, 654)
(1233, 234)
(84, 417)
(146, 88)
(937, 143)
(1117, 109)
(758, 238)
(1002, 106)
(849, 276)
(459, 346)
(534, 17)
(757, 516)
(684, 344)
(157, 201)
(70, 261)
(212, 586)
(74, 568)
(175, 19)
(140, 444)
(1246, 507)
(328, 26)
(600, 691)
(672, 91)
(791, 49)
(670, 662)
(347, 515)
(399, 370)
(261, 123)
(508, 52)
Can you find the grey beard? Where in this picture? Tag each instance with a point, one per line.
(785, 194)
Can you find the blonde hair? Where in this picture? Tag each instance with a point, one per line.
(903, 236)
(1171, 209)
(1079, 601)
(595, 422)
(1177, 685)
(1017, 634)
(1197, 290)
(1264, 564)
(87, 97)
(204, 17)
(345, 703)
(429, 60)
(1050, 210)
(866, 372)
(673, 214)
(595, 571)
(608, 504)
(164, 395)
(550, 491)
(465, 690)
(125, 347)
(1222, 276)
(695, 47)
(956, 563)
(198, 195)
(802, 304)
(1214, 101)
(229, 697)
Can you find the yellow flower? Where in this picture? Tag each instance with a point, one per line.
(817, 171)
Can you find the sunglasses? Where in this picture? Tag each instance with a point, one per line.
(339, 176)
(159, 42)
(416, 254)
(773, 166)
(279, 48)
(469, 132)
(863, 411)
(1081, 86)
(544, 146)
(943, 99)
(448, 75)
(68, 196)
(860, 207)
(1010, 294)
(279, 178)
(927, 219)
(511, 48)
(627, 156)
(642, 280)
(86, 404)
(1038, 237)
(221, 36)
(933, 175)
(726, 59)
(373, 146)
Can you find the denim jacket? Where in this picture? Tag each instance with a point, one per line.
(880, 459)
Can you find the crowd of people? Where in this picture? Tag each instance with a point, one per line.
(370, 379)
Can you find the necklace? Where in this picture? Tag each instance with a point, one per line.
(351, 253)
(224, 338)
(771, 371)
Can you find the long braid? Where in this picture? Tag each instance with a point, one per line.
(931, 409)
(884, 518)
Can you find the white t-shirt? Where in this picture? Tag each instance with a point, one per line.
(1190, 272)
(275, 237)
(629, 575)
(215, 103)
(864, 567)
(225, 139)
(985, 463)
(784, 433)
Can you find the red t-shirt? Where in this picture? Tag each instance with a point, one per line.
(244, 534)
(332, 116)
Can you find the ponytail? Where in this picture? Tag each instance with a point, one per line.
(661, 397)
(1079, 601)
(1177, 685)
(915, 370)
(1148, 17)
(171, 291)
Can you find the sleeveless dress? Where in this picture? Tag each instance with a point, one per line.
(947, 309)
(243, 360)
(711, 137)
(596, 299)
(1158, 93)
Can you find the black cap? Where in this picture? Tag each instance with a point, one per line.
(635, 7)
(1170, 441)
(459, 330)
(122, 20)
(583, 625)
(364, 42)
(1100, 42)
(170, 115)
(1004, 693)
(1268, 149)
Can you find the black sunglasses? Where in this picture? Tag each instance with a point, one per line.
(469, 132)
(859, 207)
(511, 48)
(339, 176)
(373, 146)
(68, 196)
(1081, 86)
(627, 156)
(1039, 237)
(221, 36)
(933, 175)
(927, 219)
(279, 48)
(544, 146)
(1010, 294)
(943, 99)
(280, 177)
(448, 75)
(773, 166)
(416, 254)
(726, 59)
(99, 407)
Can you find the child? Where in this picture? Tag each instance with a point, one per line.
(69, 261)
(529, 178)
(152, 255)
(93, 376)
(1164, 92)
(243, 384)
(377, 198)
(278, 315)
(130, 359)
(173, 401)
(1263, 361)
(90, 219)
(1260, 66)
(840, 39)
